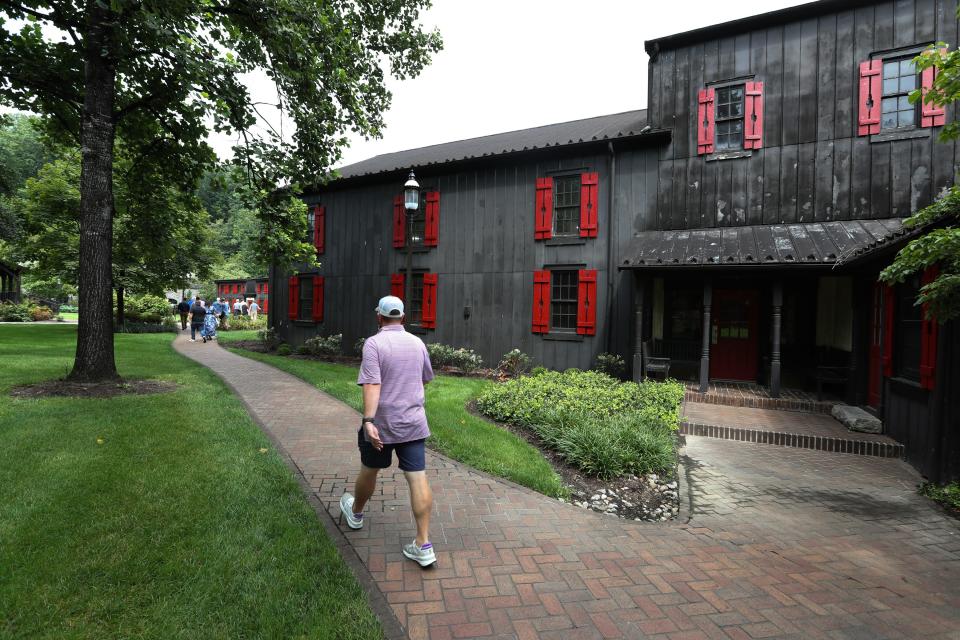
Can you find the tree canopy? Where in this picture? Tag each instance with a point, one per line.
(161, 74)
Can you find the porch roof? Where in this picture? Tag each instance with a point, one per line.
(814, 243)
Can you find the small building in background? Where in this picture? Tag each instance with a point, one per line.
(245, 288)
(9, 283)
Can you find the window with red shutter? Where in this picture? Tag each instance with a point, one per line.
(431, 233)
(543, 215)
(871, 92)
(541, 301)
(588, 204)
(705, 120)
(928, 338)
(319, 227)
(428, 319)
(753, 116)
(587, 303)
(317, 311)
(396, 285)
(931, 115)
(293, 284)
(399, 223)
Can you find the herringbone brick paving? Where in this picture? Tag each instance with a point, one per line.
(783, 543)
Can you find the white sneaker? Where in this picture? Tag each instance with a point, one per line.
(354, 520)
(192, 340)
(424, 556)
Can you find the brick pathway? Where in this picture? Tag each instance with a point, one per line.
(783, 543)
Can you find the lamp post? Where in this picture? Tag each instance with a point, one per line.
(411, 202)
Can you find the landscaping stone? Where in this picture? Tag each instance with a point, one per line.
(856, 419)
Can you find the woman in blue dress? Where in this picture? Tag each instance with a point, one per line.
(209, 330)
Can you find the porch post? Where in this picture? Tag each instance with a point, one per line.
(639, 288)
(775, 355)
(705, 348)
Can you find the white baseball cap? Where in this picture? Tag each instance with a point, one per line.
(390, 307)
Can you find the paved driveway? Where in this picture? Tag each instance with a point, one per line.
(783, 543)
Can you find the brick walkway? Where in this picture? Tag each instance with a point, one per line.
(783, 543)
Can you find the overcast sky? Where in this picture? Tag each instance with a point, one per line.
(513, 64)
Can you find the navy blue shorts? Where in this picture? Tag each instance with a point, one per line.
(411, 455)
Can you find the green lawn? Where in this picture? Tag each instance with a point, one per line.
(166, 516)
(70, 316)
(455, 432)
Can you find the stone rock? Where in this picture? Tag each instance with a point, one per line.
(856, 419)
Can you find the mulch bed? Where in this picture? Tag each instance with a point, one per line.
(635, 497)
(112, 389)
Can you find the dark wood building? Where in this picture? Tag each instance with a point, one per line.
(736, 226)
(9, 283)
(245, 288)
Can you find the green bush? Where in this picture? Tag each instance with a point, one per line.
(610, 364)
(442, 355)
(537, 371)
(240, 323)
(144, 307)
(268, 336)
(358, 346)
(329, 346)
(947, 495)
(145, 327)
(40, 313)
(10, 312)
(303, 350)
(514, 363)
(604, 427)
(284, 350)
(69, 308)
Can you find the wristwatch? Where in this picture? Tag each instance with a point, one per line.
(366, 419)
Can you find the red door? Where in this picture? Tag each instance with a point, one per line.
(876, 347)
(733, 339)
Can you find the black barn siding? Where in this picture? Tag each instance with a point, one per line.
(813, 167)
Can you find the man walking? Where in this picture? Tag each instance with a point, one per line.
(198, 314)
(394, 369)
(254, 309)
(184, 309)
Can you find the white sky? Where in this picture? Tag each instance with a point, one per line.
(514, 64)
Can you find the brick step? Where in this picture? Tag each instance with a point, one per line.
(885, 448)
(759, 402)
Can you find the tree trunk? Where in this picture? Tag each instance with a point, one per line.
(94, 359)
(120, 312)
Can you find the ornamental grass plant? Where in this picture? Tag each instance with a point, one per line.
(603, 427)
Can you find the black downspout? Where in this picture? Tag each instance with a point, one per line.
(610, 227)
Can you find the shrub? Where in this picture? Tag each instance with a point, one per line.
(69, 308)
(40, 313)
(514, 363)
(238, 323)
(10, 312)
(604, 427)
(536, 371)
(610, 364)
(329, 346)
(948, 495)
(358, 346)
(268, 336)
(147, 305)
(442, 355)
(303, 350)
(284, 350)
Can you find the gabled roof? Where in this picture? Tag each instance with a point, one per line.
(815, 243)
(759, 21)
(610, 127)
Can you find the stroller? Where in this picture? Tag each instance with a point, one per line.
(209, 329)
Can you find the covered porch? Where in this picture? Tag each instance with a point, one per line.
(9, 283)
(762, 306)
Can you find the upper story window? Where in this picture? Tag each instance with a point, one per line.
(899, 79)
(729, 118)
(566, 205)
(311, 223)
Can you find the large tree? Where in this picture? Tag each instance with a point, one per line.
(940, 245)
(163, 73)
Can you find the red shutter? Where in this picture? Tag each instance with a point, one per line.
(396, 285)
(319, 230)
(293, 284)
(587, 303)
(399, 223)
(541, 301)
(705, 117)
(588, 204)
(888, 331)
(753, 116)
(317, 311)
(871, 73)
(431, 232)
(928, 339)
(543, 217)
(931, 115)
(429, 317)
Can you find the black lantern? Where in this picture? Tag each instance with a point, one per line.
(411, 193)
